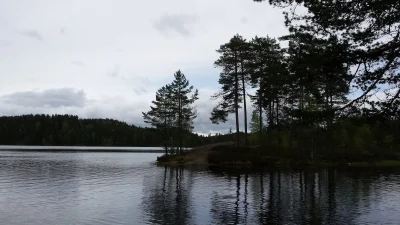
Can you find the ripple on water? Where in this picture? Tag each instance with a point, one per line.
(125, 188)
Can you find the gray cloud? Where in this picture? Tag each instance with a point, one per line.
(53, 98)
(62, 30)
(78, 63)
(244, 20)
(34, 34)
(175, 22)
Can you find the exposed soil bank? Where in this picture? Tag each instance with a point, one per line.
(228, 155)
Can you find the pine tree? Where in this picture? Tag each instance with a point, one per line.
(371, 31)
(230, 78)
(318, 80)
(182, 100)
(161, 115)
(267, 74)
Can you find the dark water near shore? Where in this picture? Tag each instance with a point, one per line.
(126, 188)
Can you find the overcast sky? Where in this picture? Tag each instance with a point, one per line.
(106, 58)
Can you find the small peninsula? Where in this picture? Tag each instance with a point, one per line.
(227, 155)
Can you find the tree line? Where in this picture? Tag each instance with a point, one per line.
(69, 130)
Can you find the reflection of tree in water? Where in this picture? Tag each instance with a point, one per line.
(225, 204)
(325, 197)
(166, 197)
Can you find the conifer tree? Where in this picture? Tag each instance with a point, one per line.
(161, 115)
(182, 99)
(245, 60)
(267, 74)
(255, 122)
(370, 28)
(230, 95)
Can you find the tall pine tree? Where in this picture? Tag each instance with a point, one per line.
(230, 80)
(267, 74)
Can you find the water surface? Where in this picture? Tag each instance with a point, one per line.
(81, 148)
(126, 188)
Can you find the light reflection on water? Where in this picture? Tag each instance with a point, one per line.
(126, 188)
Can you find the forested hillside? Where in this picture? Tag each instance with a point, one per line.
(66, 130)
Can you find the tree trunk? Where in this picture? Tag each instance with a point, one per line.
(260, 111)
(180, 121)
(261, 123)
(277, 121)
(301, 103)
(270, 115)
(165, 135)
(244, 103)
(277, 111)
(237, 102)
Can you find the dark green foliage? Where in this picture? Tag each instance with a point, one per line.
(334, 49)
(232, 79)
(268, 74)
(173, 112)
(318, 81)
(370, 31)
(182, 100)
(161, 115)
(68, 130)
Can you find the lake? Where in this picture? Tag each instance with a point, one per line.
(82, 148)
(127, 188)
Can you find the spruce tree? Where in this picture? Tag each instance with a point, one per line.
(182, 99)
(161, 115)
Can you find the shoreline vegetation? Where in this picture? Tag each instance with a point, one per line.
(326, 94)
(228, 155)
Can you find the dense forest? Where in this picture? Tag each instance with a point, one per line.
(330, 87)
(69, 130)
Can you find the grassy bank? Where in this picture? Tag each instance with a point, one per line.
(228, 155)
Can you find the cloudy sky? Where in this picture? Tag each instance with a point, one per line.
(106, 58)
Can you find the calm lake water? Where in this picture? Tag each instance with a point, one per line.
(82, 148)
(126, 188)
